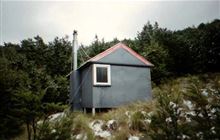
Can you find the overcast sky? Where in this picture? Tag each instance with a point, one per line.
(108, 19)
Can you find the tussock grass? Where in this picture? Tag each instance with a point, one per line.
(130, 117)
(81, 125)
(122, 134)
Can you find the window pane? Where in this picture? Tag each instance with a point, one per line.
(102, 75)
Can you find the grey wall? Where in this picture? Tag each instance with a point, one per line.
(86, 87)
(75, 91)
(128, 84)
(121, 56)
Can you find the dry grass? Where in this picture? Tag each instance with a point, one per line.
(174, 88)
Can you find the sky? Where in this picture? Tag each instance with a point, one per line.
(108, 19)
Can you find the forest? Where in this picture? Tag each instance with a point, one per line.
(34, 79)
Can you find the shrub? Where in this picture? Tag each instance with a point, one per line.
(58, 130)
(196, 115)
(81, 126)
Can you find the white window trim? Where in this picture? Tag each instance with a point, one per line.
(108, 75)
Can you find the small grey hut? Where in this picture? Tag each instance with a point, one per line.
(112, 78)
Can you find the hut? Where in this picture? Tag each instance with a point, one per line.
(115, 77)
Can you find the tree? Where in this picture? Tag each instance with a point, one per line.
(25, 83)
(159, 56)
(29, 108)
(59, 57)
(11, 79)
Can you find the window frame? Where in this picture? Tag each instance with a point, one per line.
(95, 83)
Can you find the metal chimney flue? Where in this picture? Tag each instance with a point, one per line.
(74, 50)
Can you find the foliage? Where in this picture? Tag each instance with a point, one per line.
(81, 126)
(192, 50)
(26, 82)
(206, 100)
(34, 78)
(193, 116)
(9, 78)
(175, 53)
(137, 121)
(58, 130)
(159, 56)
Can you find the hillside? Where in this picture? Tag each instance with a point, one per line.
(176, 112)
(35, 83)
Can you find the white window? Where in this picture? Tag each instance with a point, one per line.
(101, 75)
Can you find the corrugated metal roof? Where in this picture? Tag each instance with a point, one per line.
(114, 48)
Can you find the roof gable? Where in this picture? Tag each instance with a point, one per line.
(120, 54)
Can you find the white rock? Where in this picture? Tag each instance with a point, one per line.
(79, 136)
(112, 124)
(150, 114)
(205, 93)
(96, 126)
(57, 116)
(143, 113)
(199, 134)
(185, 137)
(213, 130)
(39, 122)
(213, 110)
(188, 103)
(179, 110)
(168, 119)
(103, 134)
(172, 104)
(182, 114)
(200, 115)
(53, 131)
(188, 119)
(192, 113)
(133, 138)
(147, 120)
(128, 114)
(207, 106)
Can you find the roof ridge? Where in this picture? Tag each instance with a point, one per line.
(106, 52)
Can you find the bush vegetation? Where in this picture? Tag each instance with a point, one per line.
(34, 82)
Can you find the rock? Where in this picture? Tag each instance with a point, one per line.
(112, 124)
(56, 117)
(133, 138)
(188, 104)
(96, 126)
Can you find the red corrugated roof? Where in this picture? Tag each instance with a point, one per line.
(114, 48)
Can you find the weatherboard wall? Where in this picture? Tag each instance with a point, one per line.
(128, 84)
(87, 87)
(130, 80)
(75, 91)
(121, 56)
